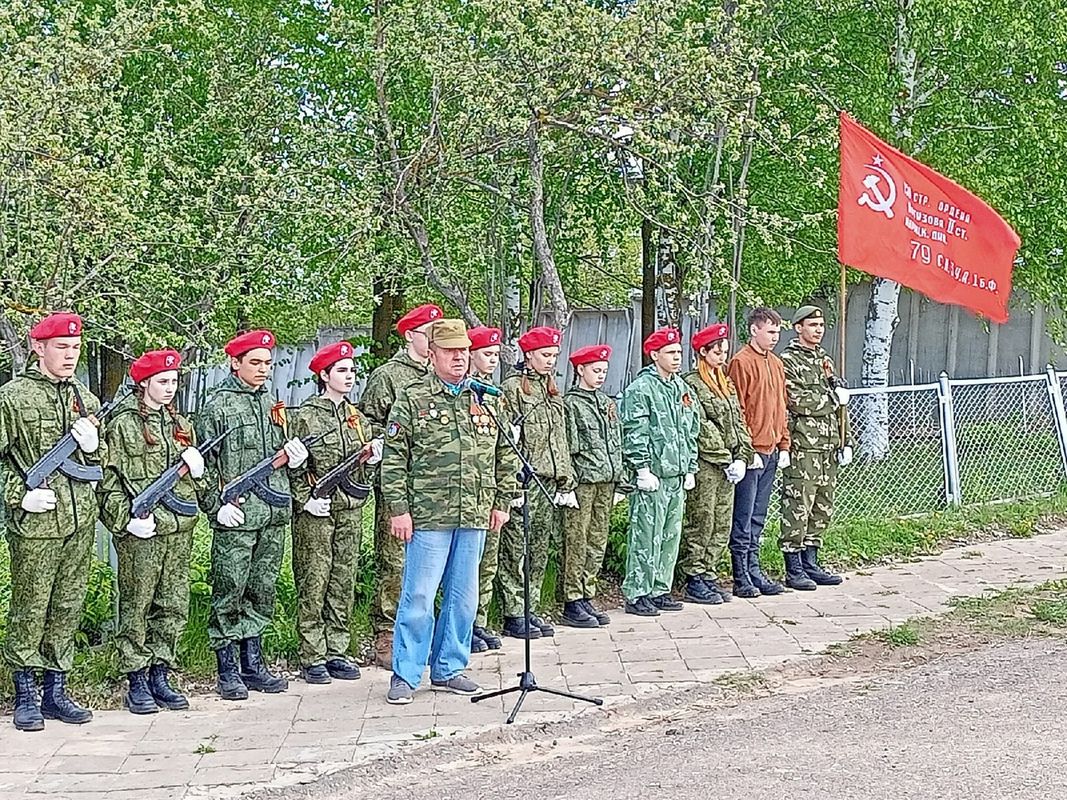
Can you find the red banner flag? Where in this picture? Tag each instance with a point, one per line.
(899, 219)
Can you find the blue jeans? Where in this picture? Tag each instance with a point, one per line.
(752, 496)
(432, 560)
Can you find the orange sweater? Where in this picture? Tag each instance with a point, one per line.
(760, 381)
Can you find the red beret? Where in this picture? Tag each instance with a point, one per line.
(483, 337)
(538, 338)
(710, 335)
(242, 343)
(662, 338)
(329, 355)
(590, 354)
(418, 317)
(154, 362)
(57, 325)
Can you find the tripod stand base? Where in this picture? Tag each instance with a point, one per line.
(527, 684)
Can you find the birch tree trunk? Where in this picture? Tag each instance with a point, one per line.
(557, 300)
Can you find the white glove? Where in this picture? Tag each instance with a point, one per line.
(376, 447)
(757, 461)
(318, 506)
(230, 516)
(192, 458)
(37, 501)
(516, 433)
(646, 481)
(519, 501)
(784, 459)
(690, 481)
(618, 499)
(142, 528)
(841, 393)
(297, 453)
(85, 434)
(735, 473)
(844, 456)
(567, 499)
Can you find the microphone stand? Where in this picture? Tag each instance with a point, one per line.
(527, 681)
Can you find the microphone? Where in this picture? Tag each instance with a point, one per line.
(482, 388)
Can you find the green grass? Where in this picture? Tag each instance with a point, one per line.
(903, 635)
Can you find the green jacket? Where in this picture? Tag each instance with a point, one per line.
(723, 436)
(35, 412)
(254, 434)
(594, 434)
(133, 464)
(383, 385)
(445, 461)
(813, 417)
(659, 425)
(346, 431)
(542, 418)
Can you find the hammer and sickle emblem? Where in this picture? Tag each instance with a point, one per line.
(873, 197)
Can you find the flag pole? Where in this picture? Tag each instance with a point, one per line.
(842, 313)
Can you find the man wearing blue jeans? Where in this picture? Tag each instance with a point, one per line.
(447, 477)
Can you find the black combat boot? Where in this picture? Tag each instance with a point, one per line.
(795, 576)
(230, 686)
(478, 644)
(520, 628)
(543, 625)
(759, 580)
(342, 669)
(575, 615)
(641, 607)
(316, 674)
(742, 581)
(138, 699)
(601, 618)
(27, 712)
(696, 591)
(664, 602)
(810, 561)
(254, 672)
(492, 641)
(713, 586)
(164, 694)
(56, 703)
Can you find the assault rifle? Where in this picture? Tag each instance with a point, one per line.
(58, 457)
(339, 478)
(161, 490)
(255, 480)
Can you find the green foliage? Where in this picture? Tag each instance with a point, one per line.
(903, 635)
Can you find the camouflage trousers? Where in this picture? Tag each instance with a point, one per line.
(487, 570)
(48, 581)
(808, 485)
(153, 584)
(585, 538)
(388, 568)
(546, 522)
(709, 509)
(325, 559)
(655, 529)
(244, 576)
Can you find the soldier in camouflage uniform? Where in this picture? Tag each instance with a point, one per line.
(724, 448)
(383, 385)
(594, 434)
(145, 436)
(818, 432)
(248, 539)
(535, 407)
(659, 446)
(49, 529)
(327, 530)
(447, 477)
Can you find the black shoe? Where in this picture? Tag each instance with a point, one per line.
(713, 585)
(229, 686)
(487, 636)
(545, 627)
(795, 576)
(575, 615)
(162, 692)
(642, 607)
(520, 628)
(665, 602)
(696, 591)
(56, 703)
(254, 672)
(601, 618)
(809, 559)
(27, 712)
(138, 699)
(342, 669)
(316, 675)
(478, 644)
(759, 580)
(743, 586)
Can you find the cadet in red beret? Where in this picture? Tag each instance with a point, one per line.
(418, 317)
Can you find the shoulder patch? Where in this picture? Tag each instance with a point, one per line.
(393, 430)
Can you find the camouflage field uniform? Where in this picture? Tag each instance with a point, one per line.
(542, 418)
(808, 482)
(246, 560)
(659, 432)
(383, 385)
(51, 551)
(594, 434)
(326, 549)
(709, 505)
(490, 563)
(153, 574)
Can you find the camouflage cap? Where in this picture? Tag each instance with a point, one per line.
(449, 333)
(807, 312)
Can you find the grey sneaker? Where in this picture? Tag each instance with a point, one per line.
(400, 694)
(457, 684)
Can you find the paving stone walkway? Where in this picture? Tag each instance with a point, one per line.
(219, 749)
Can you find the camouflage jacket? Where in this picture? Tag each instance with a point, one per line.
(445, 461)
(659, 425)
(346, 431)
(542, 418)
(813, 417)
(133, 464)
(723, 435)
(34, 413)
(383, 385)
(257, 430)
(594, 433)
